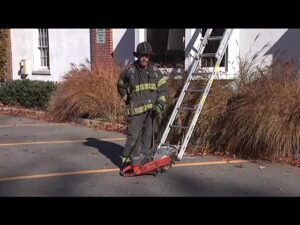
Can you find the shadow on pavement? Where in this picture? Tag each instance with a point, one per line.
(110, 150)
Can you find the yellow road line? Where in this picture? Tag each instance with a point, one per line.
(110, 170)
(209, 163)
(32, 125)
(59, 142)
(57, 174)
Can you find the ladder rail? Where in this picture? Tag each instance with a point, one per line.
(195, 64)
(220, 53)
(186, 85)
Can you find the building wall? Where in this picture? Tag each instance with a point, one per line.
(66, 46)
(101, 53)
(282, 43)
(123, 45)
(126, 40)
(271, 43)
(232, 54)
(9, 59)
(22, 48)
(253, 41)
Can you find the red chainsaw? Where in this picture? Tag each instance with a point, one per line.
(163, 159)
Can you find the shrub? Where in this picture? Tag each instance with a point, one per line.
(27, 93)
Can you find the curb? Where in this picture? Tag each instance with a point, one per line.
(114, 127)
(28, 113)
(42, 115)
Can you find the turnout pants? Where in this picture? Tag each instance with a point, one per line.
(140, 138)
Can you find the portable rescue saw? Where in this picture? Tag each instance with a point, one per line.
(158, 159)
(162, 160)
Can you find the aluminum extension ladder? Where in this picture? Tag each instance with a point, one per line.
(218, 55)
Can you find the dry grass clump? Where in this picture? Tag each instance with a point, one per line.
(257, 116)
(262, 119)
(258, 119)
(86, 93)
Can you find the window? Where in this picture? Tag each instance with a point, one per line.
(44, 48)
(212, 47)
(168, 45)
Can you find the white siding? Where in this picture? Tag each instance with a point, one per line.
(125, 42)
(123, 45)
(283, 43)
(22, 48)
(73, 46)
(65, 46)
(265, 37)
(233, 52)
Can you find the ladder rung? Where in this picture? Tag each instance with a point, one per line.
(215, 38)
(194, 90)
(208, 55)
(178, 126)
(202, 74)
(186, 108)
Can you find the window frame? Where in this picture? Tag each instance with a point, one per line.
(40, 43)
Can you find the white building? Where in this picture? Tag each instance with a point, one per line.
(47, 54)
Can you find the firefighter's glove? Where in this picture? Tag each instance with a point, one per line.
(157, 111)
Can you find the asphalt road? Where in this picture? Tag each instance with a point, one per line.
(45, 159)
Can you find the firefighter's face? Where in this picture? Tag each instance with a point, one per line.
(144, 60)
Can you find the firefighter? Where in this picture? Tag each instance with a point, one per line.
(144, 90)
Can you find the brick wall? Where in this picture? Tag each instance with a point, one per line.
(101, 53)
(5, 45)
(9, 57)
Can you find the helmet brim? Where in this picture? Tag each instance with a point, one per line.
(136, 54)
